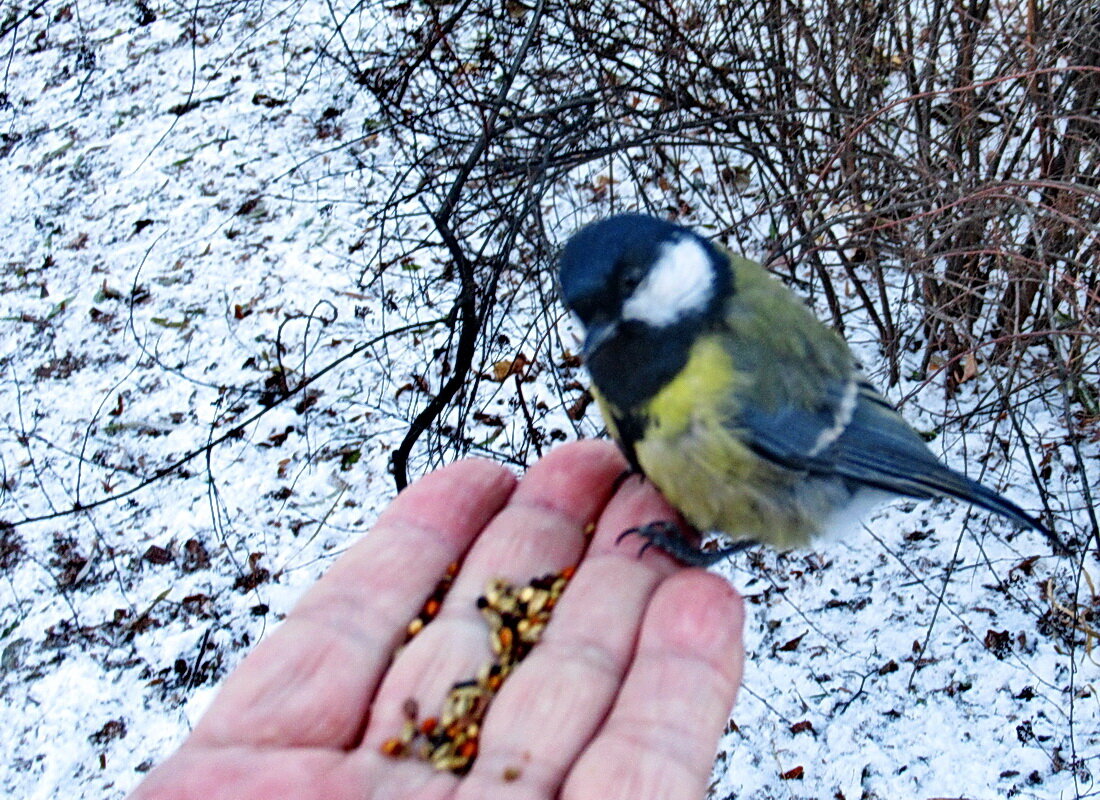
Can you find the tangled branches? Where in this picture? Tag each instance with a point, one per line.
(926, 171)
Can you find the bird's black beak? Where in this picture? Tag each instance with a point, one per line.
(598, 333)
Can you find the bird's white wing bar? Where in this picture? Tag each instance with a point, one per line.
(680, 283)
(843, 417)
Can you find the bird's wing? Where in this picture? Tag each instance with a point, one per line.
(854, 434)
(878, 448)
(857, 435)
(796, 436)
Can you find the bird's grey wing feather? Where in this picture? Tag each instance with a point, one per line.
(864, 441)
(878, 448)
(867, 443)
(799, 437)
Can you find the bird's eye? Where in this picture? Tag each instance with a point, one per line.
(630, 280)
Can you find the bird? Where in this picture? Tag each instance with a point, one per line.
(722, 388)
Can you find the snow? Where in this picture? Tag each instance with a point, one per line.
(160, 265)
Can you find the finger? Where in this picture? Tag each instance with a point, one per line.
(548, 522)
(553, 703)
(660, 738)
(248, 773)
(541, 530)
(311, 681)
(613, 535)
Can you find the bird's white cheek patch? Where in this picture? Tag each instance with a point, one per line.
(680, 283)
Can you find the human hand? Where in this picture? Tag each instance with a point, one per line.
(624, 697)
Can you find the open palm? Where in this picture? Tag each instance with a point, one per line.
(625, 696)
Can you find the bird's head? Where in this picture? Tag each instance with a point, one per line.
(644, 289)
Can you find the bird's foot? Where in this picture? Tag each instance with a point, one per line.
(670, 537)
(623, 476)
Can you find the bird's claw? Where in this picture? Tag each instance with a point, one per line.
(670, 538)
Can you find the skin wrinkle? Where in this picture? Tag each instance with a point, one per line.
(540, 514)
(416, 787)
(407, 521)
(664, 749)
(610, 771)
(327, 605)
(561, 691)
(271, 688)
(670, 730)
(535, 774)
(318, 619)
(365, 598)
(587, 636)
(662, 730)
(243, 760)
(460, 623)
(331, 616)
(540, 550)
(539, 520)
(604, 758)
(584, 650)
(556, 505)
(280, 688)
(462, 485)
(426, 670)
(701, 622)
(411, 527)
(561, 514)
(580, 658)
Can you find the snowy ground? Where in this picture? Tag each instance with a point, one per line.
(184, 232)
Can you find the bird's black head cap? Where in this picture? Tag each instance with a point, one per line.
(643, 288)
(603, 262)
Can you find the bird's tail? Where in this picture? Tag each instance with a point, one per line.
(956, 485)
(879, 449)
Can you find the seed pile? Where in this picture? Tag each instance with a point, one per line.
(517, 616)
(433, 603)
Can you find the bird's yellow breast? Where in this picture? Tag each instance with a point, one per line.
(689, 450)
(701, 393)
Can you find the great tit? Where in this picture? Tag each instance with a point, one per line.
(722, 388)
